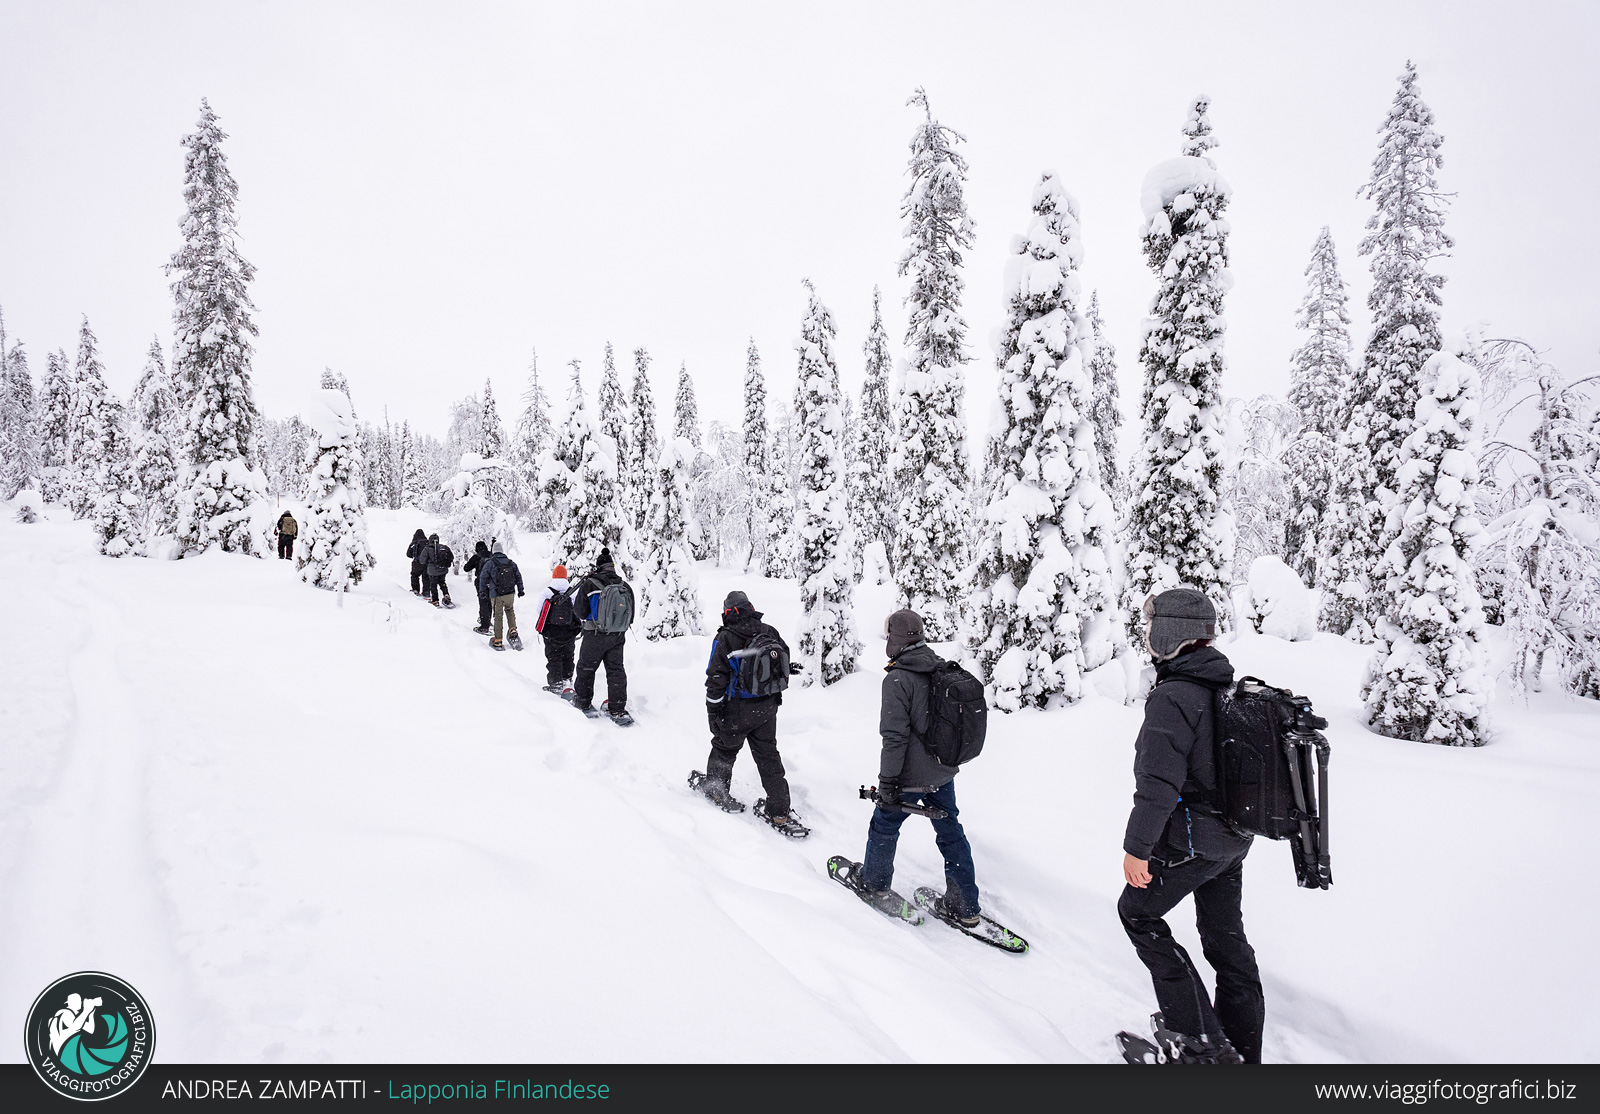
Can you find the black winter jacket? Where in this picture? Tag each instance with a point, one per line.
(903, 721)
(430, 560)
(1174, 765)
(602, 577)
(414, 551)
(491, 570)
(736, 636)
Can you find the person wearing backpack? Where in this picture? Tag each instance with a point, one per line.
(436, 561)
(738, 715)
(419, 570)
(500, 579)
(558, 626)
(472, 567)
(909, 774)
(1178, 844)
(601, 645)
(288, 528)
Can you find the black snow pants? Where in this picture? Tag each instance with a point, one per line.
(433, 585)
(485, 609)
(419, 574)
(286, 546)
(600, 647)
(757, 722)
(1186, 1008)
(558, 650)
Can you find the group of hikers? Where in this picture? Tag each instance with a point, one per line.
(1176, 844)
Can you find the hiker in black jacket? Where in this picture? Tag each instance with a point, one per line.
(558, 626)
(470, 567)
(1177, 844)
(599, 646)
(419, 542)
(500, 580)
(737, 716)
(908, 773)
(436, 559)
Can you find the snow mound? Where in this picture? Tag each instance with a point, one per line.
(1280, 605)
(1168, 181)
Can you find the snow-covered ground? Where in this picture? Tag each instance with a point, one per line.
(312, 832)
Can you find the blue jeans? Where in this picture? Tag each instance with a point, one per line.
(961, 882)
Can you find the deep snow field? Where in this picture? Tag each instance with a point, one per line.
(313, 832)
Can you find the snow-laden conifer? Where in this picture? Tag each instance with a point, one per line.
(779, 546)
(1404, 235)
(559, 463)
(614, 418)
(19, 446)
(669, 601)
(579, 482)
(643, 442)
(1107, 410)
(828, 645)
(1044, 606)
(88, 425)
(1428, 678)
(533, 436)
(333, 550)
(685, 412)
(154, 427)
(115, 509)
(52, 422)
(411, 485)
(755, 463)
(491, 434)
(874, 506)
(934, 521)
(212, 327)
(1176, 535)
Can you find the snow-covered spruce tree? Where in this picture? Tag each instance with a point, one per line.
(685, 413)
(1405, 233)
(1350, 523)
(1544, 550)
(614, 418)
(1107, 412)
(874, 505)
(491, 435)
(116, 511)
(558, 466)
(412, 488)
(779, 546)
(669, 600)
(1175, 536)
(52, 422)
(934, 521)
(644, 443)
(19, 448)
(1428, 679)
(333, 552)
(154, 430)
(1257, 485)
(1044, 606)
(88, 425)
(754, 463)
(533, 436)
(828, 645)
(211, 352)
(594, 519)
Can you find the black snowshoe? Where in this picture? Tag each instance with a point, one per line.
(715, 792)
(482, 630)
(621, 719)
(515, 639)
(991, 932)
(887, 902)
(591, 711)
(496, 644)
(1174, 1048)
(448, 605)
(789, 823)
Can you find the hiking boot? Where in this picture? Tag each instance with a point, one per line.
(496, 644)
(717, 793)
(480, 630)
(1180, 1048)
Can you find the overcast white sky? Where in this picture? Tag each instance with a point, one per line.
(428, 191)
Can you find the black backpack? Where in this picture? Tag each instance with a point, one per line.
(761, 668)
(442, 556)
(958, 715)
(558, 613)
(1272, 772)
(505, 578)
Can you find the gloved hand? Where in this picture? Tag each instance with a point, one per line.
(888, 793)
(520, 593)
(714, 713)
(795, 667)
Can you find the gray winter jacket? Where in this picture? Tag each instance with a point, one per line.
(1174, 765)
(904, 719)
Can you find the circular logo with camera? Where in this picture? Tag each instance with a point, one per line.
(90, 1036)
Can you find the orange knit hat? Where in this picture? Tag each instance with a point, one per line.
(559, 572)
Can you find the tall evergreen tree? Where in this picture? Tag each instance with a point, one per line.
(411, 490)
(685, 413)
(88, 425)
(19, 447)
(1175, 532)
(154, 420)
(52, 425)
(931, 468)
(333, 551)
(491, 435)
(828, 643)
(1044, 609)
(534, 435)
(779, 545)
(669, 600)
(1107, 411)
(644, 443)
(212, 327)
(1428, 679)
(115, 509)
(755, 462)
(874, 507)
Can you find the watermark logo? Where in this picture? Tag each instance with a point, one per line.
(90, 1036)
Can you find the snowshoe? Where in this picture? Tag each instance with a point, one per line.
(1175, 1048)
(496, 644)
(621, 719)
(715, 792)
(991, 932)
(515, 640)
(481, 630)
(789, 823)
(591, 711)
(887, 902)
(448, 605)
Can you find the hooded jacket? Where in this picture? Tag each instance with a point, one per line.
(904, 720)
(1174, 765)
(603, 576)
(490, 569)
(419, 542)
(736, 636)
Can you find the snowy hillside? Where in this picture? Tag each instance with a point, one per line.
(311, 832)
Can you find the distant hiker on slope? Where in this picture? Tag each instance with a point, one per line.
(436, 560)
(500, 580)
(604, 603)
(558, 625)
(1177, 844)
(419, 571)
(471, 567)
(745, 679)
(288, 528)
